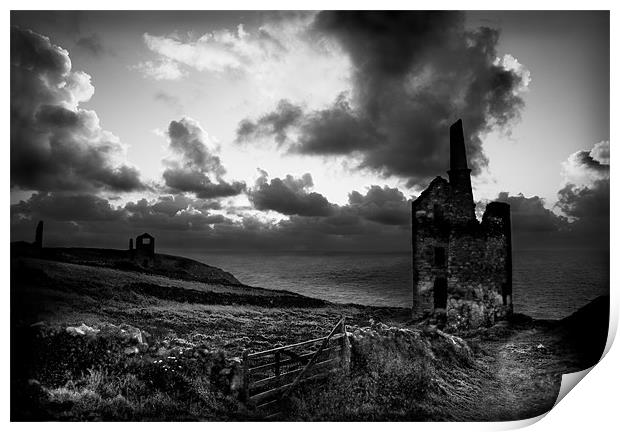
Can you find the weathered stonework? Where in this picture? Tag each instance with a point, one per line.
(462, 268)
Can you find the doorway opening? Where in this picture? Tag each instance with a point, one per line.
(440, 293)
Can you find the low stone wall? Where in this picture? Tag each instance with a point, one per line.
(54, 354)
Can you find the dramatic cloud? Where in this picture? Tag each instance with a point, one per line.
(276, 123)
(583, 201)
(585, 196)
(186, 223)
(58, 207)
(414, 73)
(289, 196)
(586, 167)
(55, 145)
(383, 205)
(293, 196)
(157, 217)
(380, 214)
(91, 220)
(193, 166)
(334, 130)
(529, 215)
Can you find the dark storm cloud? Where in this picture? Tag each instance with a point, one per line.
(414, 74)
(289, 196)
(276, 123)
(91, 44)
(194, 167)
(46, 205)
(184, 180)
(370, 221)
(376, 218)
(292, 196)
(529, 215)
(55, 145)
(385, 205)
(88, 220)
(585, 202)
(585, 196)
(593, 162)
(336, 129)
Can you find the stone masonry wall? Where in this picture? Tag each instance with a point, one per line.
(475, 266)
(476, 274)
(430, 230)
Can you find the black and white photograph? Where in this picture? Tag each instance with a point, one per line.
(305, 215)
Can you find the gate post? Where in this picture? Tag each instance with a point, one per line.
(246, 378)
(277, 363)
(345, 354)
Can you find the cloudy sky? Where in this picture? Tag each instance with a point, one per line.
(245, 130)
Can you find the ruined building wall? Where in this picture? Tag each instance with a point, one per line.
(461, 267)
(430, 215)
(476, 272)
(497, 224)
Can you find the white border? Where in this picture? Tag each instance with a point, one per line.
(592, 406)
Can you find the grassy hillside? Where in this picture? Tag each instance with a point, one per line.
(161, 264)
(95, 341)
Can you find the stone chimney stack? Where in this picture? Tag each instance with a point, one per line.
(38, 239)
(458, 156)
(460, 176)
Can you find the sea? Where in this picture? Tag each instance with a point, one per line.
(547, 284)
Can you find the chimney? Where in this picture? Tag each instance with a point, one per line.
(38, 239)
(463, 206)
(458, 156)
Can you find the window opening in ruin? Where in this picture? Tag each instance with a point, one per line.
(440, 293)
(437, 213)
(440, 256)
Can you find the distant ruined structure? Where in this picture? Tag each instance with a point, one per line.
(38, 236)
(145, 245)
(462, 268)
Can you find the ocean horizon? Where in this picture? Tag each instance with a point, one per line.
(547, 283)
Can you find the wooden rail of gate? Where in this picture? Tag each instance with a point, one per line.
(269, 376)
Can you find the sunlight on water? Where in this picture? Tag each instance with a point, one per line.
(547, 283)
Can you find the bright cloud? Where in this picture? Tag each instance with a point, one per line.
(585, 167)
(281, 58)
(161, 70)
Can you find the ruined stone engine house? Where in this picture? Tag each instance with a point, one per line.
(462, 268)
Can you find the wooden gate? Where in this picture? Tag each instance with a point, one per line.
(270, 376)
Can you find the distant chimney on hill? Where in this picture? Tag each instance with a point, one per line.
(38, 239)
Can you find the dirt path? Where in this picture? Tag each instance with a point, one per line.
(527, 369)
